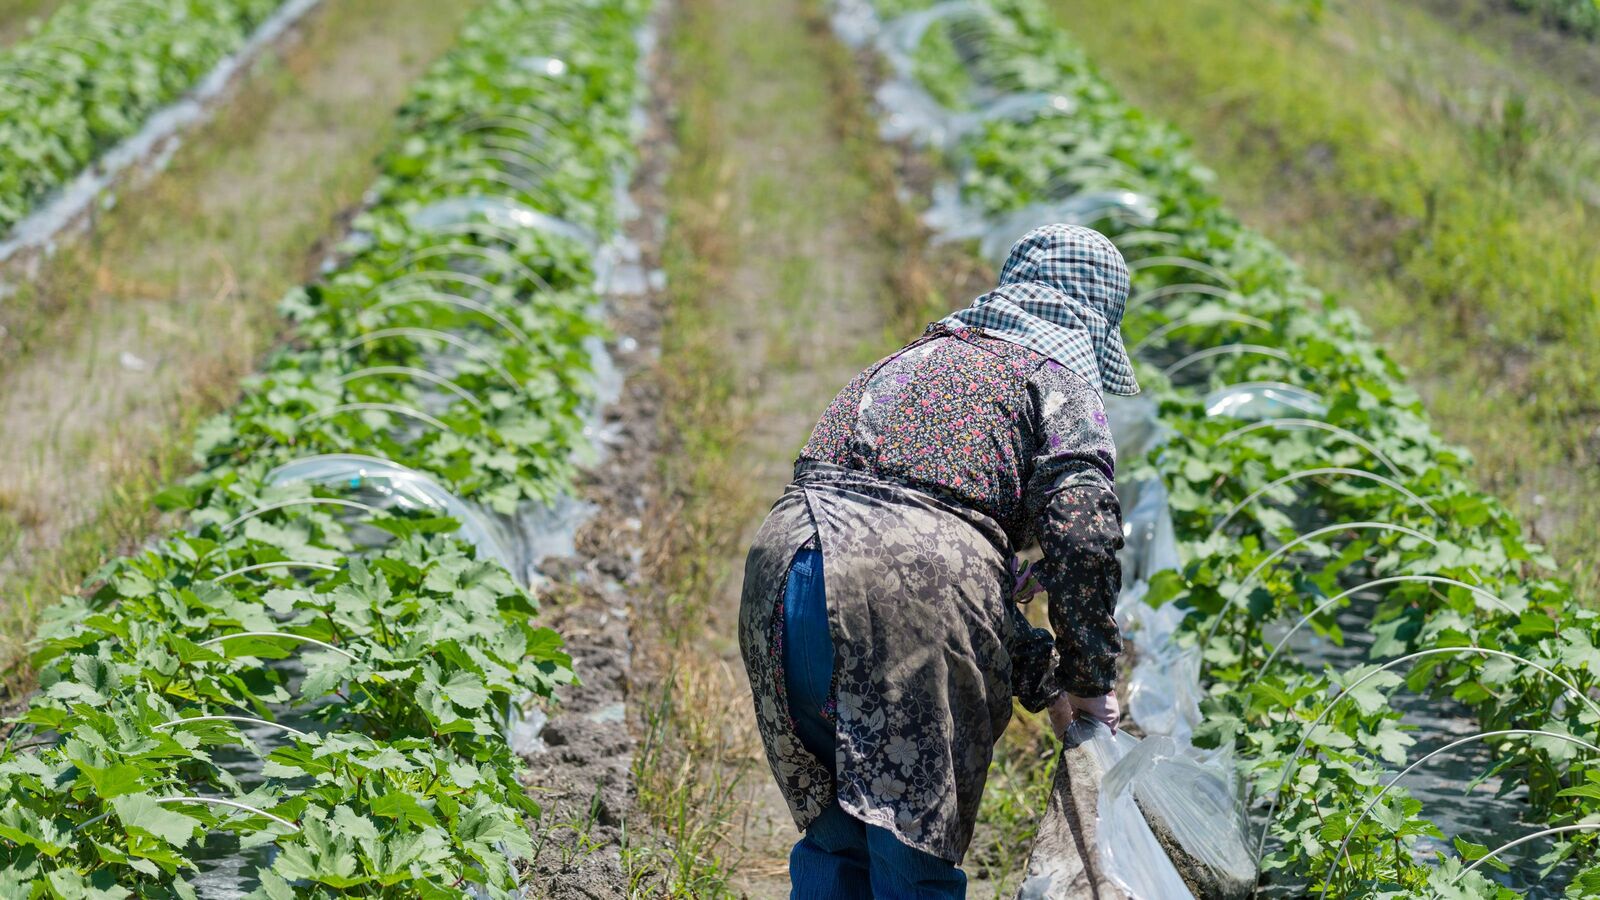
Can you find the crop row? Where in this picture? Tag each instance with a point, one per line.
(94, 73)
(307, 689)
(1329, 478)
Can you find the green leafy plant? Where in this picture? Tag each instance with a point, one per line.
(1467, 603)
(298, 667)
(93, 75)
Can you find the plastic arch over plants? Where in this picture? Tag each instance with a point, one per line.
(397, 409)
(1321, 472)
(280, 635)
(1344, 847)
(444, 299)
(1263, 399)
(1184, 262)
(1102, 174)
(476, 178)
(1198, 320)
(289, 504)
(1146, 237)
(902, 35)
(492, 255)
(413, 373)
(1181, 289)
(398, 485)
(473, 352)
(1289, 424)
(242, 720)
(1479, 592)
(404, 283)
(269, 566)
(495, 210)
(1224, 350)
(1546, 832)
(1294, 758)
(1301, 540)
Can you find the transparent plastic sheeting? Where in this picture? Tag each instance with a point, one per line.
(1194, 799)
(389, 484)
(501, 212)
(1129, 852)
(1257, 400)
(1164, 687)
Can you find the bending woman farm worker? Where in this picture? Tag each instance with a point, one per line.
(879, 621)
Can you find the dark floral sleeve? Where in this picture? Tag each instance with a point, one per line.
(1078, 521)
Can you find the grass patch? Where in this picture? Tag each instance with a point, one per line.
(1456, 231)
(683, 773)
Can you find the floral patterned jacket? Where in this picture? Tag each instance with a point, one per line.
(1003, 431)
(921, 480)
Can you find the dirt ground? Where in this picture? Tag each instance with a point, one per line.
(582, 775)
(791, 287)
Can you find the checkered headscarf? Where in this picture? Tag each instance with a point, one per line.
(1061, 294)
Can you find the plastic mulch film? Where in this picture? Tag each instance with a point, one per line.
(1164, 686)
(1130, 853)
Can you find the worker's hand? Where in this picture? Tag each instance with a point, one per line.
(1024, 583)
(1105, 710)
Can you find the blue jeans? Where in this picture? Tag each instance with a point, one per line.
(841, 857)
